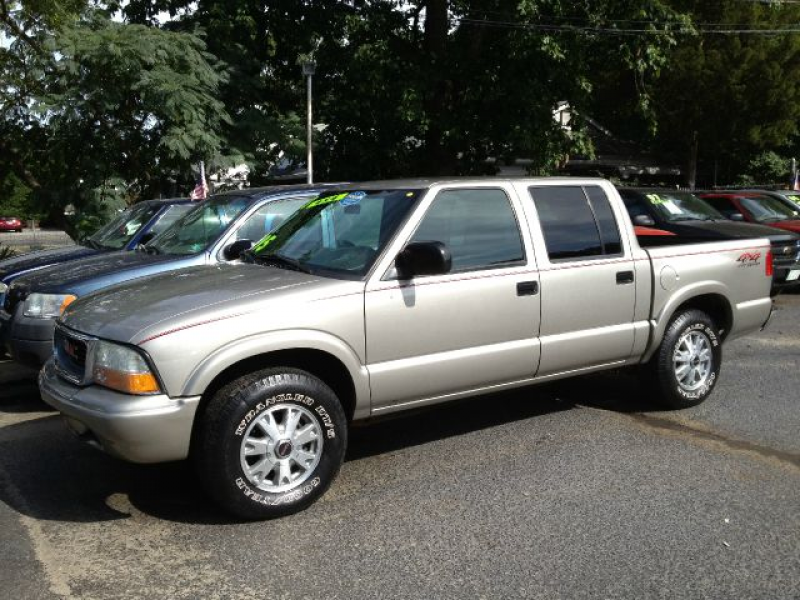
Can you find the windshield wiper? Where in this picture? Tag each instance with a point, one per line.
(281, 261)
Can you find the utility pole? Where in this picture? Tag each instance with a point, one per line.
(309, 67)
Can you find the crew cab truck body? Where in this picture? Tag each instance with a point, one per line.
(380, 297)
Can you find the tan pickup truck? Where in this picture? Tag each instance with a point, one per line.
(381, 297)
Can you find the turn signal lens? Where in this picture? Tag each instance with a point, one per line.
(768, 264)
(128, 383)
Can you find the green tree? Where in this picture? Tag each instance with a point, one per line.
(91, 100)
(735, 93)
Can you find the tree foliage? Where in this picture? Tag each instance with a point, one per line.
(420, 87)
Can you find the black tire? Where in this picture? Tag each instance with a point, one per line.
(663, 370)
(235, 413)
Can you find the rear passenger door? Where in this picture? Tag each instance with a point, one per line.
(436, 336)
(587, 279)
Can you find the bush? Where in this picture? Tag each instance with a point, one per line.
(6, 252)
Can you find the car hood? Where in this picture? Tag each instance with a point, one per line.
(728, 230)
(19, 265)
(88, 274)
(147, 307)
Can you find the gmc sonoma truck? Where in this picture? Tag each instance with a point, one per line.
(381, 297)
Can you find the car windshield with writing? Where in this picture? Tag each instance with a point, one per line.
(682, 206)
(121, 230)
(338, 234)
(198, 228)
(768, 210)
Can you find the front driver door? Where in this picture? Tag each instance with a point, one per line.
(437, 336)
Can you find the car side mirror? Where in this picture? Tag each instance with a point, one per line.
(234, 251)
(423, 258)
(644, 220)
(736, 217)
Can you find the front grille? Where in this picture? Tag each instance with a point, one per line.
(70, 354)
(786, 254)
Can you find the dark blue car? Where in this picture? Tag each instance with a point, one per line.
(216, 231)
(130, 228)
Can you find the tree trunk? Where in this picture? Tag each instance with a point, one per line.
(437, 161)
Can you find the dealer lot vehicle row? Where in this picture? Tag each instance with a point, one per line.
(377, 298)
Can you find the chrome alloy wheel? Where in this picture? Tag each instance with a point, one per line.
(693, 360)
(281, 448)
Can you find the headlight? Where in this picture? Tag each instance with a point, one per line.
(47, 306)
(123, 369)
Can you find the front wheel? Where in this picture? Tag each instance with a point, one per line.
(687, 365)
(270, 443)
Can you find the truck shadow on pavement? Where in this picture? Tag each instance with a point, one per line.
(47, 474)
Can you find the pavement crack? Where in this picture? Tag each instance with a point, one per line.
(702, 435)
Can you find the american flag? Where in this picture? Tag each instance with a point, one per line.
(200, 191)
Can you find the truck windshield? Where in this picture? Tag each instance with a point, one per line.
(339, 234)
(768, 210)
(196, 230)
(682, 206)
(121, 230)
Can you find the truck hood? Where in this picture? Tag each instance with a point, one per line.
(86, 275)
(11, 268)
(134, 311)
(729, 230)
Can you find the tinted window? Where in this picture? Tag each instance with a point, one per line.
(568, 224)
(609, 231)
(169, 216)
(723, 205)
(121, 230)
(268, 217)
(477, 226)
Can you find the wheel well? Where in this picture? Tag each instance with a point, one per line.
(715, 306)
(325, 366)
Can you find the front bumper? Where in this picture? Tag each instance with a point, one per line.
(28, 341)
(141, 429)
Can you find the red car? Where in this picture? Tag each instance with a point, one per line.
(10, 224)
(755, 207)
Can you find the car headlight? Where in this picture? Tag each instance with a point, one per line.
(123, 369)
(47, 306)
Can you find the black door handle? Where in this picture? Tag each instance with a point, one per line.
(624, 277)
(527, 288)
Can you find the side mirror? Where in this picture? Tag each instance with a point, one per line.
(234, 251)
(736, 217)
(644, 220)
(423, 258)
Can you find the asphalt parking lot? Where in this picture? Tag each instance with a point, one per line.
(581, 489)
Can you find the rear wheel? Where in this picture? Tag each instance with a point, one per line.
(687, 365)
(270, 443)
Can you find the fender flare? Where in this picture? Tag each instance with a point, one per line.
(659, 322)
(242, 349)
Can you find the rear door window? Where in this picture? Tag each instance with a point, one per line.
(577, 222)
